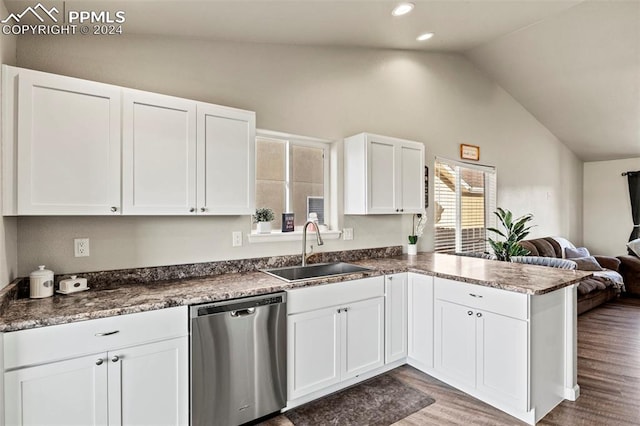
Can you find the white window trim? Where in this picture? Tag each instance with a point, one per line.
(329, 196)
(489, 217)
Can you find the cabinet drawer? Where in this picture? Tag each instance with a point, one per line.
(45, 344)
(322, 296)
(489, 299)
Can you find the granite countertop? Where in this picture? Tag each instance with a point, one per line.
(21, 314)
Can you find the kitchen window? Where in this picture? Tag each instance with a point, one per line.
(465, 199)
(292, 176)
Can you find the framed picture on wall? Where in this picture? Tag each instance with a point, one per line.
(469, 152)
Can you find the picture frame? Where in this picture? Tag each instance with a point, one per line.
(469, 152)
(287, 222)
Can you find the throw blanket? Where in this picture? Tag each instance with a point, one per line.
(612, 276)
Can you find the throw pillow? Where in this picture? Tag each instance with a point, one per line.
(571, 253)
(588, 263)
(634, 246)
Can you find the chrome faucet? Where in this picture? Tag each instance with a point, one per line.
(304, 241)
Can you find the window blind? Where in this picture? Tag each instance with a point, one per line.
(465, 199)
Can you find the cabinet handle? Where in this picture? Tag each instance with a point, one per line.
(469, 313)
(339, 310)
(99, 361)
(479, 296)
(114, 209)
(346, 309)
(479, 314)
(108, 333)
(115, 358)
(390, 278)
(203, 209)
(192, 209)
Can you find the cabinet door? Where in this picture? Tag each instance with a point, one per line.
(395, 317)
(455, 342)
(411, 179)
(149, 384)
(363, 337)
(226, 160)
(381, 172)
(68, 146)
(72, 392)
(159, 154)
(502, 358)
(313, 351)
(420, 345)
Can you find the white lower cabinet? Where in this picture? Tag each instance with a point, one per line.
(396, 293)
(72, 392)
(330, 344)
(479, 349)
(420, 321)
(145, 384)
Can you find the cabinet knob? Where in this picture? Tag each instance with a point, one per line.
(192, 209)
(115, 358)
(401, 210)
(479, 314)
(339, 310)
(397, 210)
(114, 209)
(203, 209)
(469, 313)
(99, 361)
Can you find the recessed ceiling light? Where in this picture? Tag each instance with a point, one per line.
(425, 36)
(402, 9)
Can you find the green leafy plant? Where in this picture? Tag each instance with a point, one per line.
(263, 215)
(417, 229)
(515, 230)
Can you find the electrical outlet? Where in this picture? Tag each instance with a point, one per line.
(236, 238)
(81, 247)
(347, 234)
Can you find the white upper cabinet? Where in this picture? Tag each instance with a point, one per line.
(71, 146)
(62, 147)
(159, 154)
(226, 160)
(383, 175)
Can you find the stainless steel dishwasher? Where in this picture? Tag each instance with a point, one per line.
(238, 360)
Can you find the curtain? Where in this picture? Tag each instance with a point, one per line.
(634, 195)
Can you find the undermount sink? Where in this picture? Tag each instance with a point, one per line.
(310, 272)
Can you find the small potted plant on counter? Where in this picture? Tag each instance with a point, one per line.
(262, 218)
(416, 231)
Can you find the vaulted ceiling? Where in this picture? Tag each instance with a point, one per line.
(575, 65)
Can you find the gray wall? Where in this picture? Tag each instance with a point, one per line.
(441, 100)
(607, 209)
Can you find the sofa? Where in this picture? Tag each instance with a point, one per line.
(602, 287)
(630, 270)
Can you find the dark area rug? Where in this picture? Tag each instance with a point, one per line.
(380, 401)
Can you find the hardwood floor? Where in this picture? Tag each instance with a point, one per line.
(608, 375)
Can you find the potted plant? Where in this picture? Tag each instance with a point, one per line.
(416, 231)
(515, 230)
(262, 218)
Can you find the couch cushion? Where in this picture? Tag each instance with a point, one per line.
(544, 247)
(571, 253)
(533, 251)
(556, 246)
(588, 263)
(590, 284)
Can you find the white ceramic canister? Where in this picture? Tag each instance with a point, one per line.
(41, 283)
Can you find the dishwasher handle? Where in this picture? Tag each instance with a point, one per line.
(243, 312)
